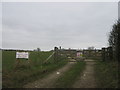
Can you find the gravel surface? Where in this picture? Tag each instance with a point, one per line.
(49, 81)
(87, 79)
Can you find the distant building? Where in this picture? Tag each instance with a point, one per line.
(38, 49)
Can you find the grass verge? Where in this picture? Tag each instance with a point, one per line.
(23, 76)
(66, 80)
(106, 74)
(24, 73)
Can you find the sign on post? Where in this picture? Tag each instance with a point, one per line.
(22, 55)
(79, 54)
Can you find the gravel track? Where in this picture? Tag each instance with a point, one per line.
(49, 81)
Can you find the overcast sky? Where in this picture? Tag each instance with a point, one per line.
(45, 25)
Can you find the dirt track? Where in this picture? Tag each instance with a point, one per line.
(87, 79)
(48, 82)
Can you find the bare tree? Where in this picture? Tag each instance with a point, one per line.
(114, 40)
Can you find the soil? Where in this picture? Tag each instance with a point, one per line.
(49, 81)
(87, 79)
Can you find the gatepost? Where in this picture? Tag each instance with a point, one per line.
(110, 52)
(55, 54)
(103, 54)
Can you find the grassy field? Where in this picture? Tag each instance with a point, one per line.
(0, 69)
(106, 74)
(17, 77)
(0, 61)
(67, 80)
(9, 60)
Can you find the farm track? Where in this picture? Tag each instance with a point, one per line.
(49, 81)
(87, 79)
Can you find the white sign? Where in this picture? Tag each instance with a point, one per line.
(22, 55)
(79, 54)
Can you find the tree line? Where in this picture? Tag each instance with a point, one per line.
(114, 40)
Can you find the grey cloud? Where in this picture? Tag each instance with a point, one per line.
(45, 25)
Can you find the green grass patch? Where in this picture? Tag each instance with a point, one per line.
(18, 77)
(67, 80)
(106, 74)
(0, 69)
(9, 59)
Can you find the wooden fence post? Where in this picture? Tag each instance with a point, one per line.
(83, 53)
(106, 54)
(103, 54)
(55, 54)
(110, 53)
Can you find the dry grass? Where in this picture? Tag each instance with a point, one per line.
(107, 74)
